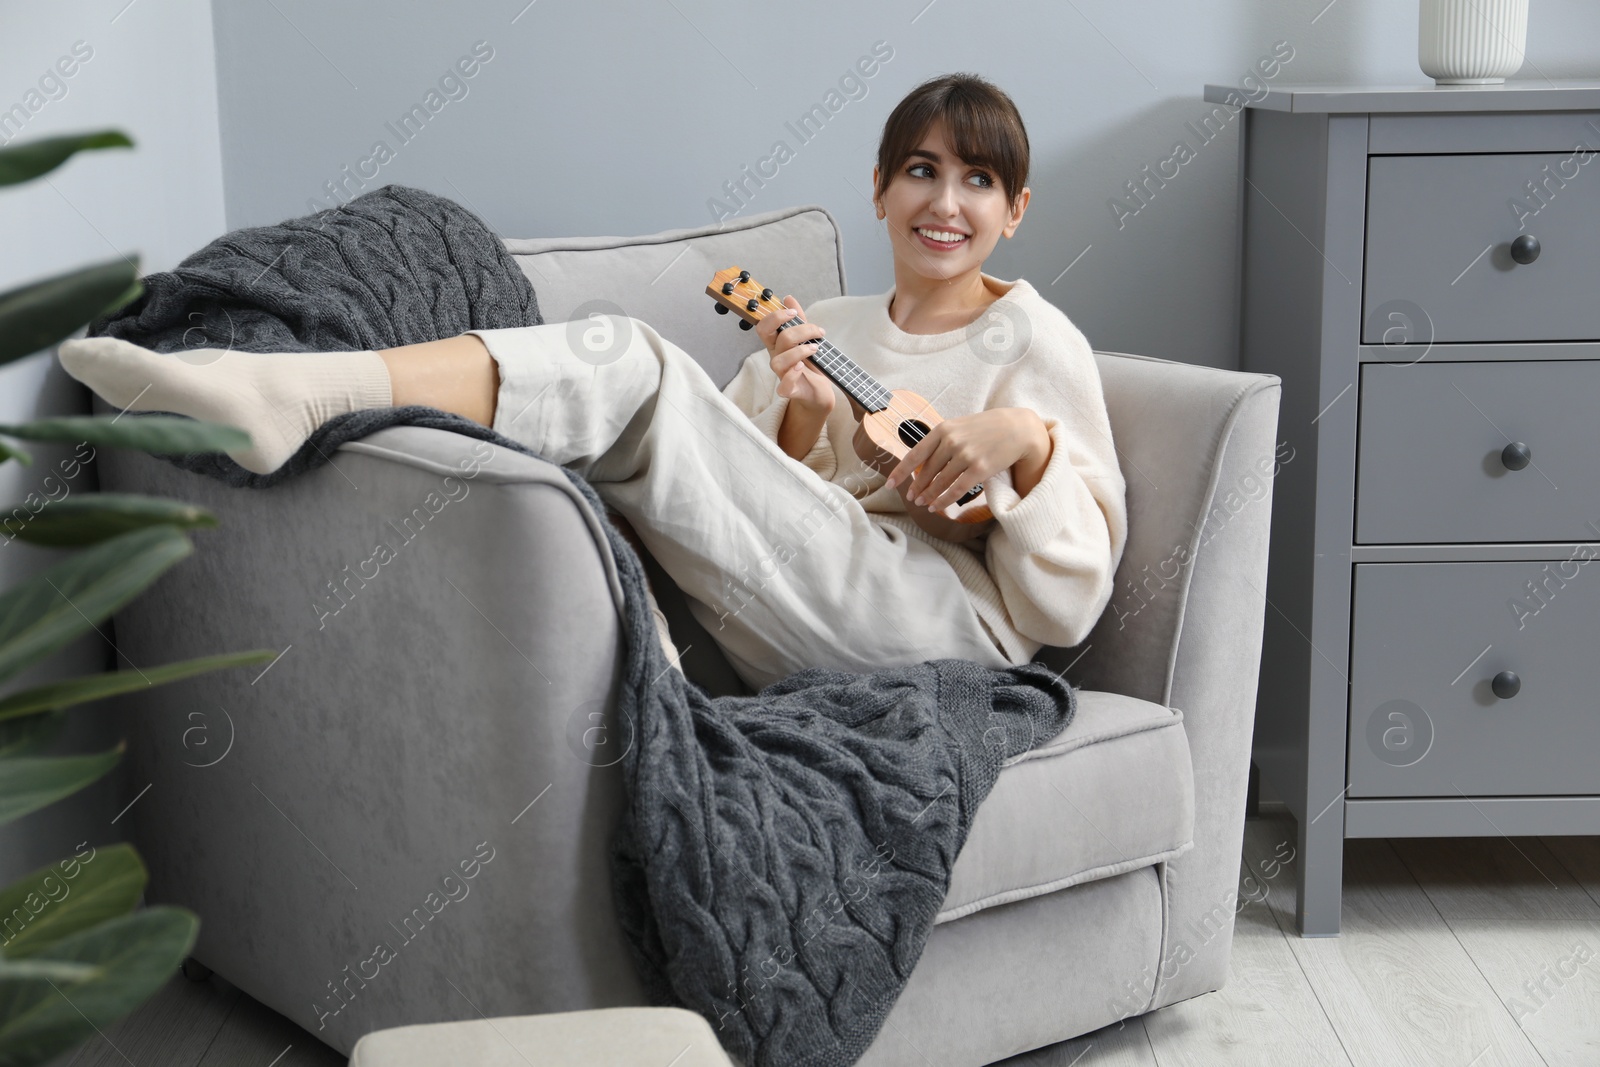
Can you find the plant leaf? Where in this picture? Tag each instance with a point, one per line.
(152, 433)
(46, 611)
(30, 733)
(135, 955)
(90, 518)
(54, 904)
(24, 161)
(61, 972)
(97, 686)
(34, 782)
(39, 314)
(10, 451)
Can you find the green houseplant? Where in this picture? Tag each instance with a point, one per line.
(76, 951)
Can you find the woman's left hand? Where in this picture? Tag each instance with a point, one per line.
(965, 451)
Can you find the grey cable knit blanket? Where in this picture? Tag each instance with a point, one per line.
(396, 266)
(781, 857)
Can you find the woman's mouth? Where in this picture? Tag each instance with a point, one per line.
(941, 240)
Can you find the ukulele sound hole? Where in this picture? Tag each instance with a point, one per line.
(912, 431)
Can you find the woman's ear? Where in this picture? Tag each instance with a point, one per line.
(876, 203)
(1016, 215)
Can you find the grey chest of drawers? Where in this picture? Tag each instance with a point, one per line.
(1421, 267)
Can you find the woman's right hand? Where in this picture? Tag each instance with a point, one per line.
(798, 378)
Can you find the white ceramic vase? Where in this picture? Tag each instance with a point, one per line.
(1471, 42)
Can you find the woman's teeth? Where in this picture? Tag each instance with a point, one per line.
(942, 236)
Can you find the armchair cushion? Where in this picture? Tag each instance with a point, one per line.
(1116, 783)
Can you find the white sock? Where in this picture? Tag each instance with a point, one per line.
(279, 399)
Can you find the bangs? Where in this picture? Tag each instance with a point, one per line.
(981, 123)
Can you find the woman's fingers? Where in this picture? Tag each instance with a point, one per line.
(802, 382)
(767, 327)
(796, 378)
(927, 473)
(955, 475)
(793, 344)
(916, 457)
(948, 487)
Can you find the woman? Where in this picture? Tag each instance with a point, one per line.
(794, 552)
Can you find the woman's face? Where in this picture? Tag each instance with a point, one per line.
(936, 196)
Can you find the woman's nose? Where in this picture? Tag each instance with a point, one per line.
(945, 203)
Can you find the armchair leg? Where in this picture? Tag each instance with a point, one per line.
(194, 970)
(1252, 799)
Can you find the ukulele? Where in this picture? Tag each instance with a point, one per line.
(894, 421)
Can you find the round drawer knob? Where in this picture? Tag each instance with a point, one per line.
(1525, 249)
(1516, 456)
(1506, 685)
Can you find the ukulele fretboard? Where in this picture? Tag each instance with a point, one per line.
(848, 375)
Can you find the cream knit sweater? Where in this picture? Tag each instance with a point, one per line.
(1044, 572)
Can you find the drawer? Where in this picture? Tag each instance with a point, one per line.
(1439, 233)
(1427, 641)
(1431, 464)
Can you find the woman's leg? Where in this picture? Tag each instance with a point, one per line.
(456, 374)
(784, 569)
(281, 398)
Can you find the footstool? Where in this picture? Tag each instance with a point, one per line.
(614, 1037)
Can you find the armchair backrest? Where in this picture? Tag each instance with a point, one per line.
(661, 278)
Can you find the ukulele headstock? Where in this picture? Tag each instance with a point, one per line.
(734, 290)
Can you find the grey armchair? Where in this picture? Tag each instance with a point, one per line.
(405, 817)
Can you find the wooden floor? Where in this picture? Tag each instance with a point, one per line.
(1466, 952)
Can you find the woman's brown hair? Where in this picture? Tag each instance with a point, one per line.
(980, 120)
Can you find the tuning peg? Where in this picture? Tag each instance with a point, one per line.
(746, 324)
(744, 276)
(727, 288)
(722, 309)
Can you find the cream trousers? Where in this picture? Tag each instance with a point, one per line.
(783, 569)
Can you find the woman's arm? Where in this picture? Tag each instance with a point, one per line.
(801, 427)
(1029, 469)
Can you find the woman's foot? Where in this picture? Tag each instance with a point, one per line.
(279, 399)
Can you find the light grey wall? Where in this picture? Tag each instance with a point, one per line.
(624, 118)
(627, 118)
(150, 72)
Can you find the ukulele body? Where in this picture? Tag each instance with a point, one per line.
(895, 429)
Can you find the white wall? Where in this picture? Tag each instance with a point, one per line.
(625, 118)
(150, 71)
(628, 117)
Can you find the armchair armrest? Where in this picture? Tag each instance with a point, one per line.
(406, 817)
(1184, 624)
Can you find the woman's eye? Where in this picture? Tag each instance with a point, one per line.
(912, 170)
(984, 180)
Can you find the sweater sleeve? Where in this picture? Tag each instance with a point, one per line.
(1053, 554)
(754, 391)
